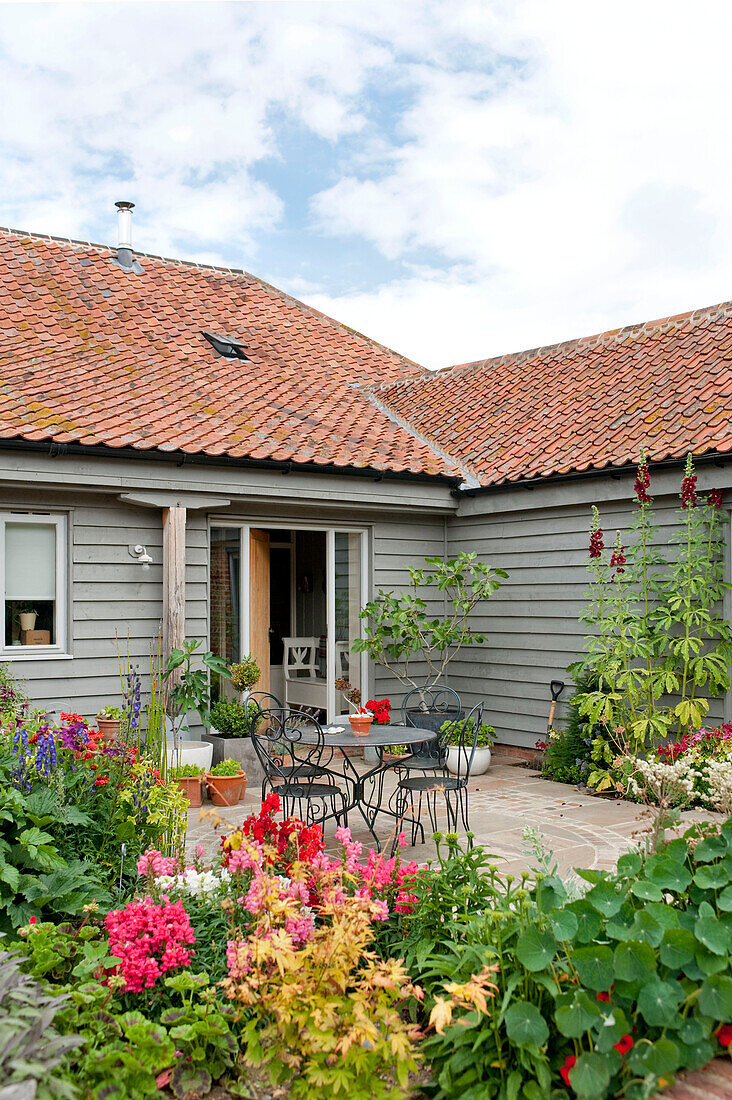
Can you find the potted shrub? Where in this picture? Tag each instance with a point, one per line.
(232, 725)
(109, 721)
(482, 755)
(226, 783)
(245, 674)
(189, 777)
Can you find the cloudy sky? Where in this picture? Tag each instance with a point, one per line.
(458, 179)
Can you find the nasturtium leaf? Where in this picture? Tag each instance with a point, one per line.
(605, 898)
(574, 1019)
(564, 924)
(646, 927)
(634, 961)
(658, 1001)
(525, 1025)
(595, 966)
(630, 863)
(715, 997)
(659, 1058)
(663, 914)
(591, 1075)
(708, 962)
(698, 1055)
(589, 920)
(646, 891)
(724, 901)
(677, 947)
(691, 1031)
(670, 875)
(535, 949)
(711, 876)
(712, 933)
(712, 847)
(614, 1027)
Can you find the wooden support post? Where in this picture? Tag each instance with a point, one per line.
(174, 579)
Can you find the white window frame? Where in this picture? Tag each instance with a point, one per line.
(330, 530)
(58, 651)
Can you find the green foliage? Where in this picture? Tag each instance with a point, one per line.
(191, 691)
(657, 646)
(185, 771)
(39, 872)
(245, 674)
(462, 733)
(568, 752)
(231, 719)
(114, 714)
(226, 767)
(399, 629)
(619, 988)
(31, 1049)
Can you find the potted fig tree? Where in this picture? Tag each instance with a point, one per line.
(400, 632)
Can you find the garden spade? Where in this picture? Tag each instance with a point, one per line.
(556, 687)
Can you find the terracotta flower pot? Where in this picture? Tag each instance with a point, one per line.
(109, 728)
(191, 787)
(361, 724)
(226, 790)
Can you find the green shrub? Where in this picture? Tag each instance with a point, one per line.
(234, 720)
(245, 674)
(456, 736)
(226, 768)
(568, 752)
(610, 994)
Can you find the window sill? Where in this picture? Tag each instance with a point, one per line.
(13, 655)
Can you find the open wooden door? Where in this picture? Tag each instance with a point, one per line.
(259, 570)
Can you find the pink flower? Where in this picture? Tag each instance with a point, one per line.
(149, 940)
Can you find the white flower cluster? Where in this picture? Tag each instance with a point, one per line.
(664, 782)
(195, 883)
(719, 775)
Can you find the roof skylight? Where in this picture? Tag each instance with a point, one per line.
(226, 346)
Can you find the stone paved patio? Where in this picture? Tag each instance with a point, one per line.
(582, 830)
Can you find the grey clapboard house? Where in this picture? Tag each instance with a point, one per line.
(186, 451)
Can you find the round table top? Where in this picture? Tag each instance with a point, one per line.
(377, 735)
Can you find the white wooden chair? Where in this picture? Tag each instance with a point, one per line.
(304, 685)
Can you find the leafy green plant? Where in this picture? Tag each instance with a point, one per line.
(462, 733)
(226, 767)
(398, 628)
(185, 771)
(191, 690)
(608, 994)
(245, 674)
(112, 714)
(32, 1052)
(201, 1028)
(231, 719)
(568, 752)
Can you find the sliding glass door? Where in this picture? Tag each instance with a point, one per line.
(270, 583)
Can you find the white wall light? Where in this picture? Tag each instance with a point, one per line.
(140, 552)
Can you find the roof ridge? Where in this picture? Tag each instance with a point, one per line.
(7, 230)
(601, 339)
(471, 478)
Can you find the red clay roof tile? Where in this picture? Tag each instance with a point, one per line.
(91, 354)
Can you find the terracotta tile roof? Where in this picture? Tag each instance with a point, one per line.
(590, 403)
(90, 354)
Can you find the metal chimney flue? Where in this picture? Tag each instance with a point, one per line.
(125, 256)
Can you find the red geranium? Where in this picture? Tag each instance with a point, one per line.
(283, 841)
(380, 709)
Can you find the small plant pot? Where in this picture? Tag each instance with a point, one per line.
(28, 620)
(481, 760)
(226, 790)
(191, 786)
(361, 724)
(109, 728)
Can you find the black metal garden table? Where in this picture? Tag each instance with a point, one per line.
(378, 737)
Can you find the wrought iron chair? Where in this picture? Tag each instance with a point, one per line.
(296, 770)
(436, 706)
(412, 789)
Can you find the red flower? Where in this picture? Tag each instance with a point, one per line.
(596, 544)
(101, 782)
(688, 492)
(569, 1063)
(724, 1035)
(642, 482)
(540, 745)
(623, 1045)
(32, 920)
(714, 498)
(604, 997)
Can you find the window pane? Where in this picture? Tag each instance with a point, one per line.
(225, 592)
(30, 584)
(347, 605)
